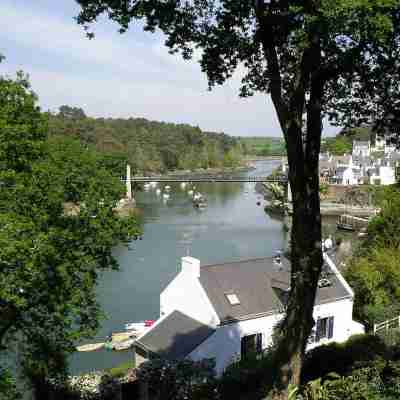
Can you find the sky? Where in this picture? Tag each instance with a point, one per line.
(121, 76)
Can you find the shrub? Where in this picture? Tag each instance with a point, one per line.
(249, 378)
(342, 357)
(179, 380)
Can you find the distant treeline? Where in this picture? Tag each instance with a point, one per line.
(262, 146)
(149, 146)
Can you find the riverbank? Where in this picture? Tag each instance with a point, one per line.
(265, 158)
(206, 171)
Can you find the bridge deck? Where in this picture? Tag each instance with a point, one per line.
(146, 179)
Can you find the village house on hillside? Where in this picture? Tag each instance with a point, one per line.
(361, 148)
(228, 311)
(367, 164)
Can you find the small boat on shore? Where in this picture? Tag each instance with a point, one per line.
(90, 347)
(139, 326)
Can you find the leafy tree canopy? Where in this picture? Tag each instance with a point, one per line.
(150, 146)
(337, 145)
(374, 272)
(50, 259)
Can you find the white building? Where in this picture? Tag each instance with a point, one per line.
(347, 174)
(390, 147)
(227, 311)
(361, 148)
(382, 175)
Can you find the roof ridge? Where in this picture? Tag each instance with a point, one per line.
(238, 262)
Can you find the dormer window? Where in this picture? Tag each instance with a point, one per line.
(232, 298)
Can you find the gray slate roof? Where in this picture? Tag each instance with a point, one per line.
(175, 337)
(261, 286)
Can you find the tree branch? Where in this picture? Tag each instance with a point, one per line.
(273, 68)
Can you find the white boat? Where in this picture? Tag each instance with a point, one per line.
(135, 326)
(166, 196)
(197, 196)
(190, 192)
(167, 188)
(153, 184)
(139, 327)
(158, 192)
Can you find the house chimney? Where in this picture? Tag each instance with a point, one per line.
(191, 266)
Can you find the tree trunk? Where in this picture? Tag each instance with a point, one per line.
(306, 262)
(306, 244)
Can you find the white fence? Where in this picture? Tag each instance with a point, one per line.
(386, 325)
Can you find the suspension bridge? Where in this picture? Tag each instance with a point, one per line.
(203, 178)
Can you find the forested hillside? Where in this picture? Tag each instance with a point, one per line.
(150, 146)
(263, 146)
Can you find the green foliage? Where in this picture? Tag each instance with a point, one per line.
(22, 125)
(49, 259)
(179, 380)
(384, 229)
(375, 278)
(373, 273)
(363, 133)
(121, 370)
(8, 389)
(341, 358)
(380, 380)
(337, 145)
(263, 146)
(323, 188)
(250, 378)
(149, 146)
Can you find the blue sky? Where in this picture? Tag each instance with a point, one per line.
(130, 75)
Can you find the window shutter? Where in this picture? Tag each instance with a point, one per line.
(330, 327)
(318, 330)
(259, 343)
(243, 347)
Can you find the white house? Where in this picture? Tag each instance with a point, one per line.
(361, 148)
(347, 174)
(382, 175)
(227, 311)
(390, 147)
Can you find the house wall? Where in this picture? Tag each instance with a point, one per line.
(185, 294)
(225, 344)
(387, 175)
(349, 178)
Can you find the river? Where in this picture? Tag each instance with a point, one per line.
(232, 227)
